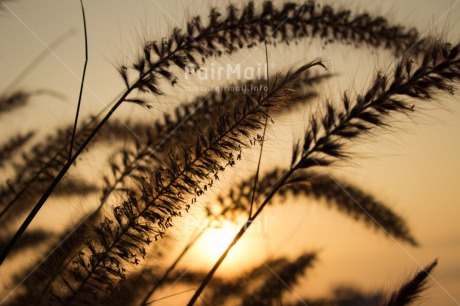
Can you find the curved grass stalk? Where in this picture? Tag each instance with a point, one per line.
(77, 113)
(437, 71)
(151, 211)
(184, 251)
(232, 33)
(188, 117)
(282, 279)
(410, 291)
(345, 197)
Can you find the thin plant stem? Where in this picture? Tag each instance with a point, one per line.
(82, 81)
(66, 167)
(60, 175)
(256, 177)
(168, 296)
(240, 233)
(184, 251)
(145, 209)
(439, 67)
(174, 264)
(38, 173)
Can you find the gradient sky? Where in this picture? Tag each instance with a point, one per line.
(415, 167)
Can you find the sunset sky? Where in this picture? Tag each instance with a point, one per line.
(414, 167)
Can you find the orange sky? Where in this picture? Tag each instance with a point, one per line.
(415, 168)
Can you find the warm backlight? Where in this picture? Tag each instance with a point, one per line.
(216, 240)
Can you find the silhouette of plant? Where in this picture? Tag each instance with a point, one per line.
(155, 179)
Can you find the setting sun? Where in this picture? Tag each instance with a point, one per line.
(240, 152)
(215, 241)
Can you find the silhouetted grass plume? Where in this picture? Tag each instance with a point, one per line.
(157, 172)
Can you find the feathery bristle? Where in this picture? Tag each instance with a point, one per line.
(327, 134)
(148, 209)
(410, 291)
(227, 33)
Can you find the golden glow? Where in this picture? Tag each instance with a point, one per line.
(216, 240)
